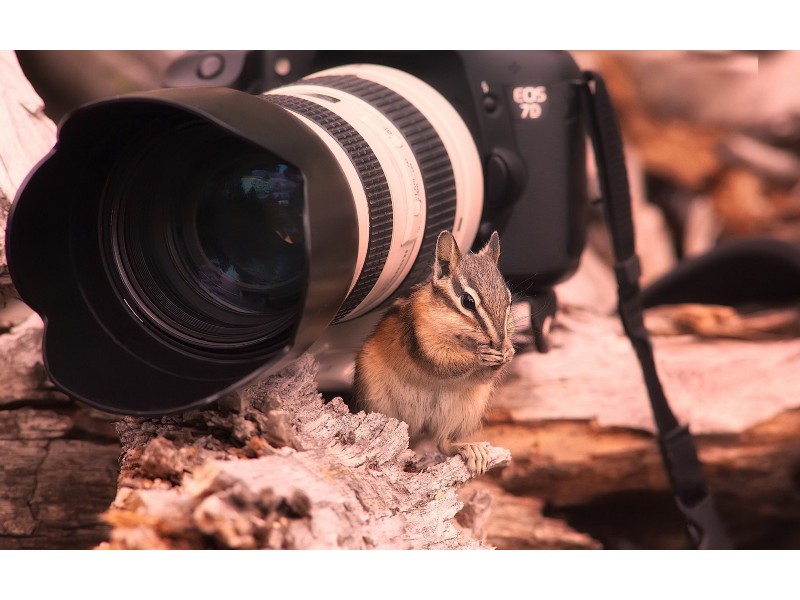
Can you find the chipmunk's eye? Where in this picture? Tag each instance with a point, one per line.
(467, 301)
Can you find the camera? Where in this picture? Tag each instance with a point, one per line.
(182, 242)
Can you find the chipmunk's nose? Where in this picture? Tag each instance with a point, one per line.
(497, 334)
(498, 342)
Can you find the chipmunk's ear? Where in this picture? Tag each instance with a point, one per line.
(492, 248)
(447, 255)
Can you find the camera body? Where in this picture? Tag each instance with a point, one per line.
(523, 111)
(182, 242)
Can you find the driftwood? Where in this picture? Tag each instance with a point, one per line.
(577, 423)
(579, 427)
(58, 461)
(275, 467)
(516, 522)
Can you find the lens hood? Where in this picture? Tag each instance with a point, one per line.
(97, 348)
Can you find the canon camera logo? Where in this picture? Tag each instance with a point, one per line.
(529, 99)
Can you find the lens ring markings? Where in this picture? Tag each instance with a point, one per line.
(429, 151)
(373, 180)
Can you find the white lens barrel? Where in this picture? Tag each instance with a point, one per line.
(454, 134)
(410, 141)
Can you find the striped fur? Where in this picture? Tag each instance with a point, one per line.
(433, 363)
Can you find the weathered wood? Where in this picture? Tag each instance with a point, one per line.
(21, 369)
(580, 467)
(579, 427)
(718, 126)
(58, 461)
(512, 522)
(711, 321)
(576, 420)
(719, 385)
(209, 479)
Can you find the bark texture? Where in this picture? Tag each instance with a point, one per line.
(58, 461)
(276, 467)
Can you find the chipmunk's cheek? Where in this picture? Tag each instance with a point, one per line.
(467, 342)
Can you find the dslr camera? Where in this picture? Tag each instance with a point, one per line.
(182, 242)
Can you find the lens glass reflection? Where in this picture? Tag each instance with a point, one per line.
(207, 237)
(249, 227)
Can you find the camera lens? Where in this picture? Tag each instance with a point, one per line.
(206, 239)
(413, 164)
(202, 237)
(249, 227)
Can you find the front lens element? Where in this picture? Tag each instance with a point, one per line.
(249, 228)
(207, 238)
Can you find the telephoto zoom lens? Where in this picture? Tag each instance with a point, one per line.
(182, 242)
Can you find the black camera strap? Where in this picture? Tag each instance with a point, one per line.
(677, 446)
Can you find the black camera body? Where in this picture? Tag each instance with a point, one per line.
(523, 110)
(182, 242)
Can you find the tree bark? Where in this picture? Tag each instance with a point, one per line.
(58, 460)
(275, 467)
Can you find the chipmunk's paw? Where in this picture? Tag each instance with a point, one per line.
(493, 358)
(475, 455)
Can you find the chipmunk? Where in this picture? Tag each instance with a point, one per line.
(435, 357)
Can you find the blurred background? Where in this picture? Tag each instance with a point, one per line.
(713, 151)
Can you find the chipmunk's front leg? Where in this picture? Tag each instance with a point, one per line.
(475, 454)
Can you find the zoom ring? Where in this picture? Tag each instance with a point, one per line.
(429, 152)
(376, 188)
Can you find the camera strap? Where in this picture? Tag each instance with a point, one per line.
(676, 444)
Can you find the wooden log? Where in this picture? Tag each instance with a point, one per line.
(58, 461)
(514, 522)
(577, 423)
(579, 427)
(210, 479)
(592, 374)
(716, 125)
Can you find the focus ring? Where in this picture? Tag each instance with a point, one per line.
(376, 189)
(429, 151)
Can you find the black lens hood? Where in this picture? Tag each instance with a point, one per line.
(94, 348)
